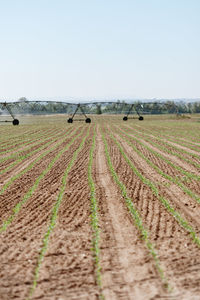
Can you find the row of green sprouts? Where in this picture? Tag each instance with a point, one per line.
(96, 238)
(155, 190)
(136, 216)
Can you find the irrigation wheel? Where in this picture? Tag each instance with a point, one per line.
(70, 120)
(88, 120)
(15, 122)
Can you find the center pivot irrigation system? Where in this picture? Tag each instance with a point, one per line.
(49, 107)
(6, 106)
(81, 107)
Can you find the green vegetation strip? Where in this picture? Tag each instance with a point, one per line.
(30, 192)
(136, 217)
(23, 157)
(158, 170)
(30, 166)
(54, 215)
(155, 191)
(94, 218)
(187, 174)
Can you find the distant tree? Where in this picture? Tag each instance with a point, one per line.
(171, 107)
(99, 111)
(196, 107)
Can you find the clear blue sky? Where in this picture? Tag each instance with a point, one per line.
(99, 49)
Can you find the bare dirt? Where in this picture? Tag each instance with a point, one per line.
(67, 270)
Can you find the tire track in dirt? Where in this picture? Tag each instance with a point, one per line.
(19, 249)
(124, 275)
(165, 231)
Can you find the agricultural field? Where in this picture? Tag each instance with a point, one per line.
(107, 210)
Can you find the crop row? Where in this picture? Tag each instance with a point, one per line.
(33, 163)
(173, 165)
(167, 142)
(156, 192)
(17, 207)
(21, 158)
(189, 132)
(179, 141)
(16, 143)
(18, 150)
(135, 215)
(172, 136)
(175, 179)
(94, 218)
(11, 133)
(54, 212)
(166, 150)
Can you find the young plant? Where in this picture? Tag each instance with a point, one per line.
(94, 218)
(30, 192)
(54, 215)
(156, 192)
(136, 217)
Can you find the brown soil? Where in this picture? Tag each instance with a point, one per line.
(67, 271)
(175, 147)
(176, 160)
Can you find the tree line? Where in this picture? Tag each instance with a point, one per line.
(23, 106)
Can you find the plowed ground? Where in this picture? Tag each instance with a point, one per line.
(46, 233)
